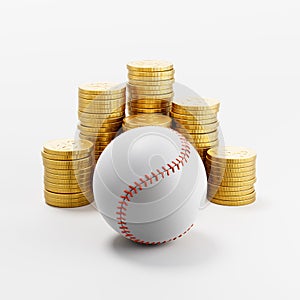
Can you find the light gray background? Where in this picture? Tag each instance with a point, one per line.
(245, 53)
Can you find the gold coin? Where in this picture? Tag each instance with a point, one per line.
(147, 119)
(69, 186)
(134, 111)
(149, 65)
(145, 91)
(206, 137)
(231, 172)
(183, 123)
(87, 130)
(98, 131)
(71, 156)
(162, 83)
(143, 105)
(233, 203)
(67, 177)
(104, 124)
(101, 123)
(197, 126)
(229, 164)
(194, 118)
(103, 104)
(224, 189)
(55, 199)
(102, 98)
(149, 88)
(196, 103)
(228, 180)
(109, 134)
(204, 145)
(101, 116)
(169, 73)
(148, 78)
(67, 164)
(233, 198)
(231, 183)
(161, 103)
(67, 204)
(139, 95)
(68, 147)
(187, 112)
(70, 180)
(100, 149)
(220, 194)
(72, 171)
(102, 88)
(55, 189)
(67, 196)
(232, 154)
(202, 150)
(100, 135)
(101, 110)
(200, 129)
(136, 96)
(149, 94)
(233, 176)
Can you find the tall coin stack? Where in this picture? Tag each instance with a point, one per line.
(141, 120)
(196, 119)
(231, 175)
(101, 109)
(150, 87)
(68, 171)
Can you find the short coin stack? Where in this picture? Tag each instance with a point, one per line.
(150, 86)
(141, 120)
(69, 166)
(101, 109)
(231, 175)
(196, 119)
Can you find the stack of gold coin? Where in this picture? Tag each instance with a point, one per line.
(68, 171)
(101, 109)
(141, 120)
(231, 175)
(196, 119)
(150, 87)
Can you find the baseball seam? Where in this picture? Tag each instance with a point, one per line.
(148, 179)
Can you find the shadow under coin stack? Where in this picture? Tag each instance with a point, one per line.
(141, 120)
(101, 109)
(231, 175)
(68, 171)
(196, 119)
(150, 87)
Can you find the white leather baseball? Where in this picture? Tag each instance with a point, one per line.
(149, 184)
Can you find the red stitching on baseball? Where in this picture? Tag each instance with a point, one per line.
(155, 176)
(148, 178)
(121, 210)
(133, 188)
(138, 185)
(166, 170)
(161, 173)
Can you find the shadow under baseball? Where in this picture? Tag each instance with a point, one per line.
(191, 250)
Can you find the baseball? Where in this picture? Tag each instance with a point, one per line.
(149, 185)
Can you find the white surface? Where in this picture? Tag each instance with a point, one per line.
(246, 53)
